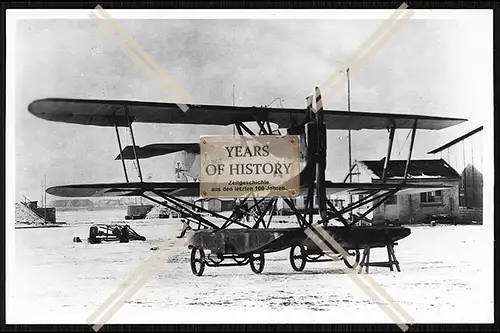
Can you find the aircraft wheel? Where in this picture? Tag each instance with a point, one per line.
(197, 261)
(298, 257)
(349, 262)
(257, 262)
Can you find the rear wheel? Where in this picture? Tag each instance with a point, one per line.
(298, 257)
(257, 262)
(197, 261)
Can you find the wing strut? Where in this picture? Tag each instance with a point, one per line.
(238, 128)
(133, 143)
(385, 196)
(350, 172)
(120, 147)
(413, 132)
(320, 156)
(389, 148)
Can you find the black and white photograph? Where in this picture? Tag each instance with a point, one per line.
(249, 166)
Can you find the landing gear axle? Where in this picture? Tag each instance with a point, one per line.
(199, 261)
(299, 256)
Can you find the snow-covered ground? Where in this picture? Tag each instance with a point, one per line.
(447, 276)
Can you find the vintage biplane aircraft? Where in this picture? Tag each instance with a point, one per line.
(231, 240)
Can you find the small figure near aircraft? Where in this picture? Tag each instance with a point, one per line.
(234, 241)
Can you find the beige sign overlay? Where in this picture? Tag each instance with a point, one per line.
(239, 166)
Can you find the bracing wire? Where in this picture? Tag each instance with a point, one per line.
(402, 146)
(133, 161)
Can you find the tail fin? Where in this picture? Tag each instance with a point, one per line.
(179, 172)
(188, 166)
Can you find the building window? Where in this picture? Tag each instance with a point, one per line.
(393, 200)
(431, 197)
(461, 197)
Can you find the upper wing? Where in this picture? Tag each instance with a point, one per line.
(157, 149)
(107, 112)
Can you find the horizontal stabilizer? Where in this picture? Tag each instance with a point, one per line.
(157, 149)
(111, 112)
(124, 189)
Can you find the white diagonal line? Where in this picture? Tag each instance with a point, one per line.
(158, 75)
(123, 286)
(139, 56)
(366, 50)
(363, 285)
(360, 57)
(344, 254)
(155, 72)
(144, 272)
(351, 271)
(152, 268)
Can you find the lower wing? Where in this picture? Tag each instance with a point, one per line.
(368, 188)
(192, 189)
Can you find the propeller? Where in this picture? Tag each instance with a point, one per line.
(320, 154)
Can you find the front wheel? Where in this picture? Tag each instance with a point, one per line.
(257, 262)
(197, 261)
(298, 257)
(353, 260)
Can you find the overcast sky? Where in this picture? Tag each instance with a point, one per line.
(431, 67)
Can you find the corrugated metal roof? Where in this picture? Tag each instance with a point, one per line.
(423, 169)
